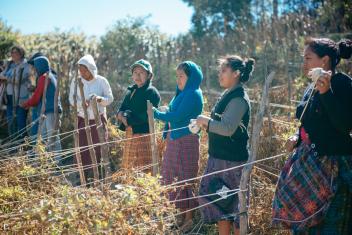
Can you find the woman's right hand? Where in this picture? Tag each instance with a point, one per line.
(163, 109)
(121, 118)
(119, 115)
(291, 143)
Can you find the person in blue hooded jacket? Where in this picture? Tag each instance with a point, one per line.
(43, 70)
(180, 160)
(34, 110)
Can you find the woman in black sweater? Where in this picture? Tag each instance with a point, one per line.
(314, 192)
(134, 118)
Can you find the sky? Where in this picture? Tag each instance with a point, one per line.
(93, 17)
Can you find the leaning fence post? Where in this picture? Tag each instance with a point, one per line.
(101, 133)
(56, 110)
(76, 137)
(258, 123)
(152, 138)
(89, 134)
(42, 111)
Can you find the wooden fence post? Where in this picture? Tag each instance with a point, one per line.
(91, 149)
(76, 137)
(55, 131)
(258, 123)
(101, 132)
(56, 104)
(152, 138)
(42, 111)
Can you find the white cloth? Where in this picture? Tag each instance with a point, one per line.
(98, 86)
(89, 62)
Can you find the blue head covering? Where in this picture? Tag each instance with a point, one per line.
(41, 65)
(194, 79)
(186, 104)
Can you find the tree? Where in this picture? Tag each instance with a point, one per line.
(130, 40)
(7, 39)
(219, 17)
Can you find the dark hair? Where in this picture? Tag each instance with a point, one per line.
(235, 62)
(327, 47)
(185, 67)
(20, 50)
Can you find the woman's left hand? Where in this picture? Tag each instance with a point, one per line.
(203, 121)
(323, 83)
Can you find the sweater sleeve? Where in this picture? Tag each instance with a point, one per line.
(155, 98)
(124, 105)
(107, 97)
(184, 110)
(339, 111)
(231, 118)
(38, 92)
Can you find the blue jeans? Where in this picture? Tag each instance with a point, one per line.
(16, 125)
(52, 141)
(35, 116)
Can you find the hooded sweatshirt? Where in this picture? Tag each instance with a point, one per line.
(185, 105)
(97, 86)
(41, 65)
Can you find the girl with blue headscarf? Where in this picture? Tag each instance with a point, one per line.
(180, 160)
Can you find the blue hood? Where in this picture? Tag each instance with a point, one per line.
(185, 105)
(41, 65)
(194, 79)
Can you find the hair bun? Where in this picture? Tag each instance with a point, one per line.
(249, 64)
(345, 48)
(248, 69)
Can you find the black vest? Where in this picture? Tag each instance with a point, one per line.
(235, 147)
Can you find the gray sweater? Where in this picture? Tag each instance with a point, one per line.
(231, 117)
(16, 87)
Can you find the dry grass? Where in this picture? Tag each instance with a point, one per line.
(34, 202)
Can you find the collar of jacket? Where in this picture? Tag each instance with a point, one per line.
(144, 87)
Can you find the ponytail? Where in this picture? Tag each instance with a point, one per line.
(247, 70)
(345, 48)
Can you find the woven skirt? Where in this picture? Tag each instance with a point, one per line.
(137, 152)
(180, 162)
(215, 210)
(314, 193)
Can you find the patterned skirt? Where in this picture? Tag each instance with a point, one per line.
(180, 162)
(338, 218)
(137, 152)
(227, 208)
(314, 194)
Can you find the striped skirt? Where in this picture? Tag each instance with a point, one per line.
(137, 152)
(216, 210)
(180, 162)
